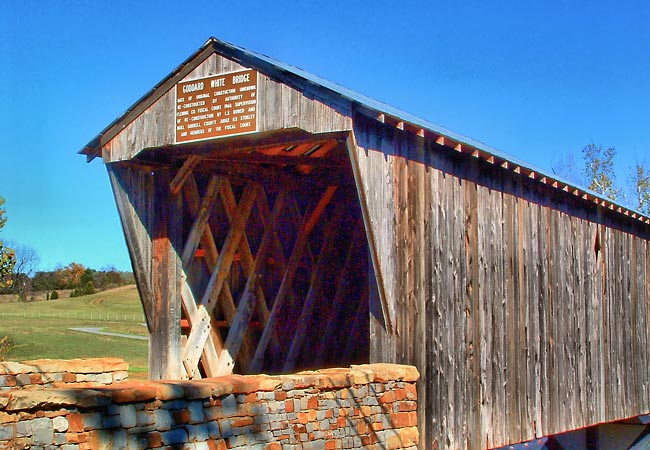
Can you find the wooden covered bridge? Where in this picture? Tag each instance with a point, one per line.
(276, 222)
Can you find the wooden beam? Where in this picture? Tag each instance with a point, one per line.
(181, 176)
(294, 259)
(138, 241)
(278, 160)
(248, 301)
(298, 218)
(238, 144)
(236, 334)
(358, 317)
(291, 175)
(230, 246)
(369, 233)
(199, 344)
(225, 301)
(165, 340)
(325, 149)
(200, 219)
(342, 285)
(314, 292)
(246, 256)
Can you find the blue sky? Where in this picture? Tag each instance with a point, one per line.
(533, 79)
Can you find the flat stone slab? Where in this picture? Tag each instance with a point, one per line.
(81, 365)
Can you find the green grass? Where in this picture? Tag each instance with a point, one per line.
(41, 329)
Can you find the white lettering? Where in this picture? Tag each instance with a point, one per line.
(219, 82)
(192, 87)
(241, 78)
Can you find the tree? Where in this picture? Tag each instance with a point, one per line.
(72, 274)
(26, 260)
(565, 167)
(641, 188)
(598, 174)
(7, 260)
(599, 170)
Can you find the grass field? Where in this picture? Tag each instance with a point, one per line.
(42, 329)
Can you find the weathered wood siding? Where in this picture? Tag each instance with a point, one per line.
(151, 220)
(525, 309)
(279, 106)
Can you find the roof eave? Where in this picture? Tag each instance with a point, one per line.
(365, 105)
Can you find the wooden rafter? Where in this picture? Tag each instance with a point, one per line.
(281, 175)
(241, 144)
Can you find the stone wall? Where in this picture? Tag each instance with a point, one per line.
(58, 373)
(369, 406)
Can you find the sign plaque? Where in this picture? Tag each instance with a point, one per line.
(216, 106)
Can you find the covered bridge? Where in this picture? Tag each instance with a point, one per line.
(277, 221)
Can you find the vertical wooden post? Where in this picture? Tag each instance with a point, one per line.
(164, 342)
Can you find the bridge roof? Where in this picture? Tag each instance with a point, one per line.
(362, 104)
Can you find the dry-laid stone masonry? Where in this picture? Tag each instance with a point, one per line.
(57, 373)
(368, 406)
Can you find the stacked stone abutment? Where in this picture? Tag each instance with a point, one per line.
(369, 406)
(60, 373)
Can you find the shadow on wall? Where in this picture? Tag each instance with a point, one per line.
(364, 406)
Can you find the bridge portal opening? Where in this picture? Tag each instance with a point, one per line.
(272, 251)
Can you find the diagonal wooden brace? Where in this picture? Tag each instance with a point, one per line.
(182, 175)
(248, 302)
(200, 219)
(296, 254)
(329, 242)
(195, 345)
(230, 246)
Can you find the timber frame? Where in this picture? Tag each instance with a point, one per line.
(343, 231)
(264, 243)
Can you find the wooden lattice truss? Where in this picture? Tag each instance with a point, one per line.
(274, 259)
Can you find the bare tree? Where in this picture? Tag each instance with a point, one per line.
(26, 262)
(565, 166)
